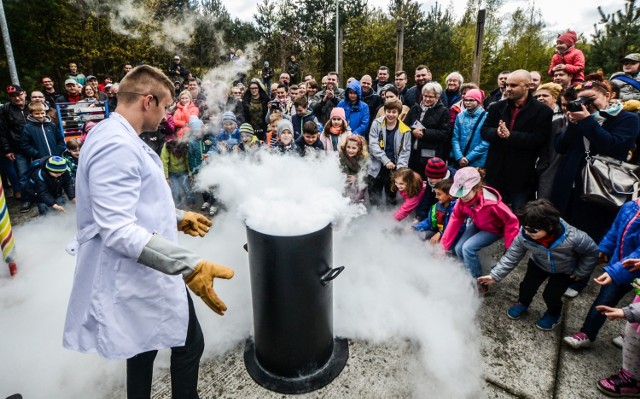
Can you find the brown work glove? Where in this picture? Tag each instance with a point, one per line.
(194, 224)
(200, 281)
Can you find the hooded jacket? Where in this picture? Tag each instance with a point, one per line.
(356, 113)
(41, 139)
(463, 134)
(377, 140)
(573, 252)
(257, 121)
(488, 214)
(182, 115)
(574, 62)
(623, 242)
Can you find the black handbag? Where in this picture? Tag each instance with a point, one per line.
(608, 181)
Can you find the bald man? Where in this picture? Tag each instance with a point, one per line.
(370, 97)
(516, 128)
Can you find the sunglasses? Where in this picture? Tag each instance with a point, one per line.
(531, 230)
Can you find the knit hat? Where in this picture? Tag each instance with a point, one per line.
(246, 128)
(56, 164)
(339, 113)
(283, 125)
(475, 94)
(195, 123)
(229, 116)
(635, 57)
(436, 168)
(464, 181)
(569, 38)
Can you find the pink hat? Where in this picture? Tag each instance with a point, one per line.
(338, 112)
(475, 94)
(569, 38)
(464, 181)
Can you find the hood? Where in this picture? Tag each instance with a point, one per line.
(247, 94)
(355, 86)
(31, 119)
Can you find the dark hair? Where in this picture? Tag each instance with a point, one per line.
(505, 72)
(310, 127)
(413, 180)
(293, 87)
(301, 102)
(333, 73)
(398, 73)
(540, 214)
(383, 68)
(282, 86)
(444, 185)
(394, 90)
(422, 66)
(313, 84)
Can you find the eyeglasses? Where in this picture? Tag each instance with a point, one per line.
(140, 94)
(431, 97)
(531, 230)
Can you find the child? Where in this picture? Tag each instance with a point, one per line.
(40, 138)
(248, 140)
(411, 188)
(353, 159)
(626, 382)
(335, 130)
(491, 219)
(628, 81)
(176, 171)
(390, 147)
(301, 116)
(48, 182)
(285, 143)
(229, 135)
(71, 155)
(272, 134)
(559, 252)
(436, 222)
(469, 149)
(568, 58)
(309, 142)
(199, 146)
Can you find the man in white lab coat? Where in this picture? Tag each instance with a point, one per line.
(129, 297)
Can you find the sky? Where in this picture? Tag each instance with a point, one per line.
(559, 15)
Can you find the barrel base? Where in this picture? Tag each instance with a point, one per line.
(303, 384)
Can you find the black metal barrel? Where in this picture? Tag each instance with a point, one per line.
(293, 349)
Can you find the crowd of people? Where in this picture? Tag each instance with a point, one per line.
(471, 168)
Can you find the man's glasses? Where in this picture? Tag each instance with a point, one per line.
(140, 94)
(531, 230)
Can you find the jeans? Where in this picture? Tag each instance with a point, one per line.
(471, 241)
(609, 295)
(8, 169)
(181, 189)
(552, 294)
(43, 208)
(185, 363)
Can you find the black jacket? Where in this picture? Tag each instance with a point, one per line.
(412, 96)
(44, 188)
(258, 124)
(374, 102)
(302, 146)
(510, 164)
(12, 121)
(437, 135)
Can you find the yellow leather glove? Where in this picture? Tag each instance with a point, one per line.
(200, 281)
(631, 105)
(194, 224)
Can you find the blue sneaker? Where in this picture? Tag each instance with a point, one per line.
(547, 322)
(516, 311)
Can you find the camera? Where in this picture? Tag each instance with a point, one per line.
(275, 105)
(576, 105)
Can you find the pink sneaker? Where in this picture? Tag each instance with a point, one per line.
(578, 340)
(621, 384)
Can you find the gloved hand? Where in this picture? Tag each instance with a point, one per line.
(631, 105)
(200, 281)
(194, 224)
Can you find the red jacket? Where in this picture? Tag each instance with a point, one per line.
(182, 115)
(574, 61)
(409, 204)
(488, 214)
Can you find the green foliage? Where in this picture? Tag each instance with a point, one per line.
(619, 36)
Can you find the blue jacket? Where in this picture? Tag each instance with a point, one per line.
(299, 121)
(438, 216)
(41, 139)
(477, 152)
(357, 114)
(623, 242)
(230, 140)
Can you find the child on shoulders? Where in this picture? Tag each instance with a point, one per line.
(568, 58)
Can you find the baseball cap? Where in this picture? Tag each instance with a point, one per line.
(91, 77)
(464, 181)
(176, 57)
(14, 90)
(70, 82)
(635, 57)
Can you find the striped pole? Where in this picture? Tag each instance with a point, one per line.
(6, 235)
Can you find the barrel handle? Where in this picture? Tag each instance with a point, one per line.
(246, 247)
(330, 275)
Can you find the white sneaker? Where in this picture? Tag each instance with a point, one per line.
(213, 210)
(205, 206)
(618, 341)
(571, 293)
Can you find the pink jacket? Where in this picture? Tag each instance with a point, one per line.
(489, 214)
(409, 204)
(182, 115)
(574, 61)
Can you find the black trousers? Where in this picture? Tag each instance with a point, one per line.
(185, 363)
(379, 183)
(552, 294)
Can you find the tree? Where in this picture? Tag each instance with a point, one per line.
(618, 36)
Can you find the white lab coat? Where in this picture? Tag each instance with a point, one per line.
(120, 308)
